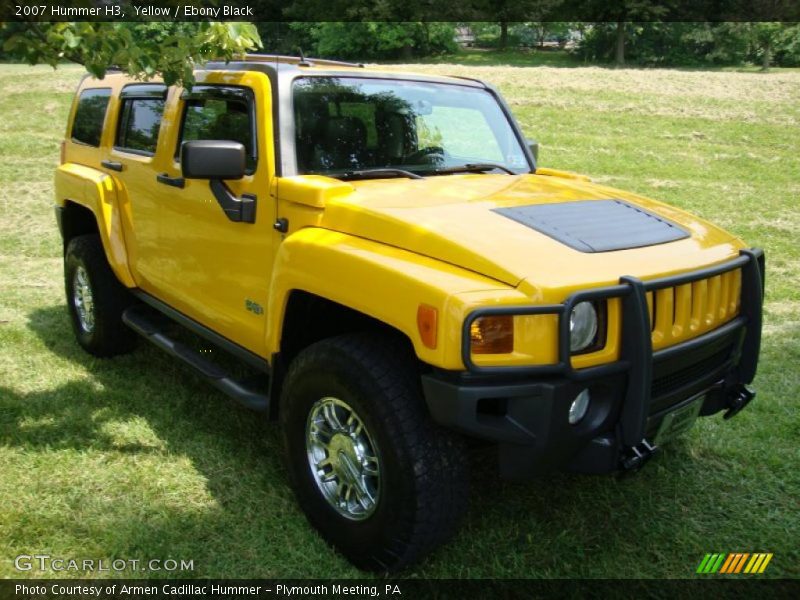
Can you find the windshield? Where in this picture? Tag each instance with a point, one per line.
(347, 124)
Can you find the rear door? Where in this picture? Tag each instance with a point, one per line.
(132, 160)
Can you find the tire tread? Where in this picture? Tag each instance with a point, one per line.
(438, 456)
(110, 336)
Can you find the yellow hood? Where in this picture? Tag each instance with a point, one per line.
(450, 218)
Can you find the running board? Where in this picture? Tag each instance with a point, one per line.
(138, 319)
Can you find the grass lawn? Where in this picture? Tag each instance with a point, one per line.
(136, 458)
(552, 57)
(517, 57)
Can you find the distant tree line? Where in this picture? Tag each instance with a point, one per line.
(622, 42)
(169, 49)
(693, 44)
(360, 40)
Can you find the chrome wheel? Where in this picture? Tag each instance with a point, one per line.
(343, 459)
(82, 298)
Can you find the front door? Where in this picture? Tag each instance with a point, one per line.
(212, 269)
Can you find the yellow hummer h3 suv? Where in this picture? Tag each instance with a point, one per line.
(384, 251)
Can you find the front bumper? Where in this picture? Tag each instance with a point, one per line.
(524, 410)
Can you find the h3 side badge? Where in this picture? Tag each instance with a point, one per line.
(253, 306)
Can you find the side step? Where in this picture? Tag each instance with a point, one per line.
(138, 319)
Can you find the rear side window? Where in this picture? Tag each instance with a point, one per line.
(220, 113)
(89, 116)
(140, 120)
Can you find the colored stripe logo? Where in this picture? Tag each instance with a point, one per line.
(734, 563)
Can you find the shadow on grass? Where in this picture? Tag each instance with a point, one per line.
(541, 528)
(243, 522)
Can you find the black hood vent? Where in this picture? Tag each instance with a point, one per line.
(597, 225)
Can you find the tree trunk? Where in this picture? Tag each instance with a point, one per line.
(407, 53)
(767, 58)
(620, 54)
(503, 34)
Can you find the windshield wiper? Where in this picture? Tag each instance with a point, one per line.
(472, 168)
(378, 173)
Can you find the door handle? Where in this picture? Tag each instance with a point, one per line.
(110, 164)
(178, 182)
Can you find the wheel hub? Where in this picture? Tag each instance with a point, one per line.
(83, 299)
(343, 458)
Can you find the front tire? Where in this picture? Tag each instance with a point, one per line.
(378, 479)
(96, 299)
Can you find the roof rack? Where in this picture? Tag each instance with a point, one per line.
(468, 79)
(300, 61)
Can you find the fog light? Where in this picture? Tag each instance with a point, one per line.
(579, 406)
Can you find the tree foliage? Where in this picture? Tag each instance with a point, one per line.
(367, 40)
(143, 50)
(526, 34)
(696, 44)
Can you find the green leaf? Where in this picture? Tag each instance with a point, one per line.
(143, 50)
(71, 40)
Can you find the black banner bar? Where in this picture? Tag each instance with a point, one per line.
(401, 10)
(385, 589)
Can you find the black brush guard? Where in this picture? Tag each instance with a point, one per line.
(636, 353)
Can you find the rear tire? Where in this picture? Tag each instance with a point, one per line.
(419, 494)
(96, 299)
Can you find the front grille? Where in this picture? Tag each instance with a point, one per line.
(698, 372)
(686, 311)
(677, 376)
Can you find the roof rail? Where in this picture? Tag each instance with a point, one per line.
(483, 83)
(297, 60)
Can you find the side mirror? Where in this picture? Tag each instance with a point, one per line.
(534, 146)
(217, 160)
(212, 159)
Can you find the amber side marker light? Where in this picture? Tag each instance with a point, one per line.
(63, 154)
(492, 335)
(427, 318)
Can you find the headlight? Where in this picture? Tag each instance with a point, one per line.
(582, 326)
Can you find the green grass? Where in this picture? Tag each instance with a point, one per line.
(520, 57)
(552, 57)
(135, 458)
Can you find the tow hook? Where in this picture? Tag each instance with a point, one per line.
(634, 457)
(738, 398)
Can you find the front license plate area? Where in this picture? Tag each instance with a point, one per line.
(680, 420)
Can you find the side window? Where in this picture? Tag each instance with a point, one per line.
(220, 113)
(89, 116)
(140, 119)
